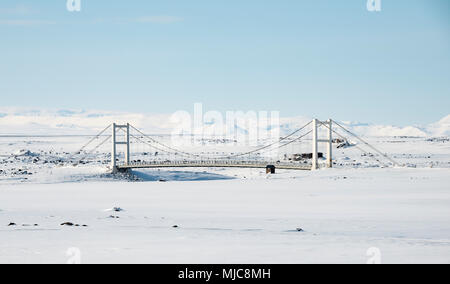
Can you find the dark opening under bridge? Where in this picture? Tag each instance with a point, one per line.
(160, 155)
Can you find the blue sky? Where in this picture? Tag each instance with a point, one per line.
(315, 58)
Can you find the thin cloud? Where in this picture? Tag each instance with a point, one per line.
(18, 10)
(160, 19)
(25, 23)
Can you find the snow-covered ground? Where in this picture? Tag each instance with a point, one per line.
(224, 215)
(403, 212)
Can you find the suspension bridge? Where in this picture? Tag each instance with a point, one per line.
(141, 151)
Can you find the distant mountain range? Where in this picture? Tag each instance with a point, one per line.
(16, 121)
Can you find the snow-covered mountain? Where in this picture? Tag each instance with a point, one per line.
(19, 121)
(440, 128)
(75, 122)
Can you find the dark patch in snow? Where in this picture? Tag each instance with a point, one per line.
(70, 224)
(25, 153)
(30, 225)
(298, 230)
(440, 139)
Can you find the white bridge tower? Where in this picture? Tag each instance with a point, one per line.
(329, 141)
(115, 143)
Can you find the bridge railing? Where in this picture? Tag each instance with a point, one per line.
(209, 162)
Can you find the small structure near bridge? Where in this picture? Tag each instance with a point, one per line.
(305, 156)
(270, 169)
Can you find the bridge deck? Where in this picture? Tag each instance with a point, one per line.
(212, 165)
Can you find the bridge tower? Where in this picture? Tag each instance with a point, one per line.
(115, 143)
(329, 141)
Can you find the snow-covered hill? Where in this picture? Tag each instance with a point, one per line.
(18, 121)
(440, 128)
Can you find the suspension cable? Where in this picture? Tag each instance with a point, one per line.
(281, 139)
(265, 147)
(90, 141)
(170, 148)
(98, 146)
(367, 144)
(243, 154)
(148, 143)
(153, 146)
(356, 146)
